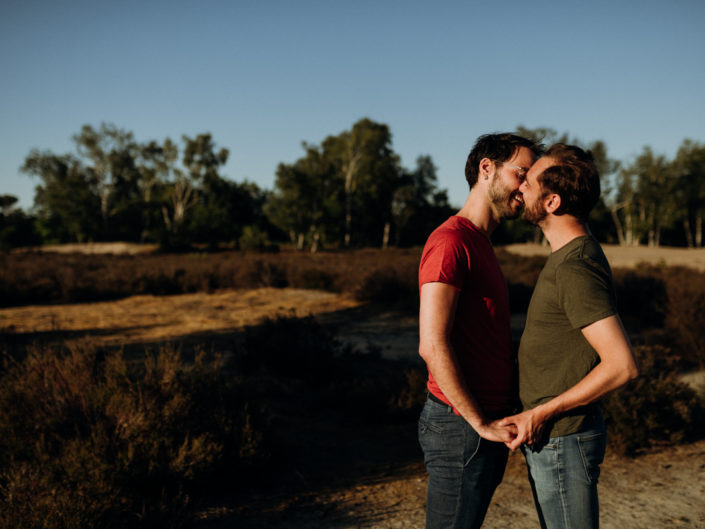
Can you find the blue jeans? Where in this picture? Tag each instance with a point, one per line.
(563, 474)
(463, 469)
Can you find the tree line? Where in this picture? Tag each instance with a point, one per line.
(349, 190)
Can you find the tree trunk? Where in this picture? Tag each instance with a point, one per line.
(350, 170)
(385, 235)
(618, 226)
(314, 244)
(688, 233)
(348, 218)
(699, 229)
(300, 242)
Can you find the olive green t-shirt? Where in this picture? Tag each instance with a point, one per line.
(574, 289)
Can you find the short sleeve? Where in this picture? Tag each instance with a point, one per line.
(585, 292)
(444, 260)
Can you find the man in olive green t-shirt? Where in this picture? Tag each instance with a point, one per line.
(574, 348)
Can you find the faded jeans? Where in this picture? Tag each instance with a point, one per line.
(563, 475)
(463, 469)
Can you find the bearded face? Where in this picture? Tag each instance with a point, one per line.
(505, 200)
(534, 213)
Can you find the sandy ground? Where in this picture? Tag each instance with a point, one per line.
(150, 319)
(659, 490)
(630, 256)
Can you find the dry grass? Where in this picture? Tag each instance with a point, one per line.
(151, 319)
(629, 256)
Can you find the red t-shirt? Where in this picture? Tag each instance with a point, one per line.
(459, 254)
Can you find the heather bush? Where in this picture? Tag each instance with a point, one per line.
(656, 409)
(289, 347)
(521, 273)
(641, 297)
(88, 440)
(685, 312)
(358, 384)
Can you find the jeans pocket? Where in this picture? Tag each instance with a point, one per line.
(472, 444)
(592, 452)
(426, 425)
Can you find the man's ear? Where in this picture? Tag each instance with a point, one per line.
(486, 168)
(552, 202)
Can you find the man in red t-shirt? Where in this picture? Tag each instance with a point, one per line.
(464, 338)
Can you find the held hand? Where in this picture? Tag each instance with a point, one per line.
(529, 426)
(494, 431)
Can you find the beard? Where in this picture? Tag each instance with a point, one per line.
(500, 198)
(534, 214)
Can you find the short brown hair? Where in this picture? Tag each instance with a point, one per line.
(498, 147)
(574, 178)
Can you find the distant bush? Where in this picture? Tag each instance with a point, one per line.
(358, 384)
(685, 312)
(656, 409)
(641, 296)
(379, 275)
(521, 273)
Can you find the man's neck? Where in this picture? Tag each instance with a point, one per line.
(559, 231)
(477, 210)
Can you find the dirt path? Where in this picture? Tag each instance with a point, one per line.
(659, 490)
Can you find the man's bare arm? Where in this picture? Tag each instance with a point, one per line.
(617, 366)
(436, 316)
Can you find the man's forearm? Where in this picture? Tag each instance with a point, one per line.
(617, 367)
(442, 364)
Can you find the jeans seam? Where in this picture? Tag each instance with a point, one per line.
(560, 447)
(586, 466)
(477, 449)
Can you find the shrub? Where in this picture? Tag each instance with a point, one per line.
(685, 312)
(641, 297)
(86, 440)
(289, 347)
(387, 286)
(657, 409)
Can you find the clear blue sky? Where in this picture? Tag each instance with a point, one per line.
(263, 76)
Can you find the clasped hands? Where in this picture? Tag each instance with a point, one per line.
(515, 430)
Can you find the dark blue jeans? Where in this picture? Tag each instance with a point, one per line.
(563, 475)
(463, 469)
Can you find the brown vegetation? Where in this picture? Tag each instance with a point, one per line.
(285, 408)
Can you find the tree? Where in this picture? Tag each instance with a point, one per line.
(371, 172)
(341, 190)
(16, 227)
(156, 166)
(67, 201)
(689, 171)
(110, 155)
(417, 205)
(646, 195)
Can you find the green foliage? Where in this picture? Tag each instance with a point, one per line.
(347, 189)
(16, 227)
(655, 410)
(119, 189)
